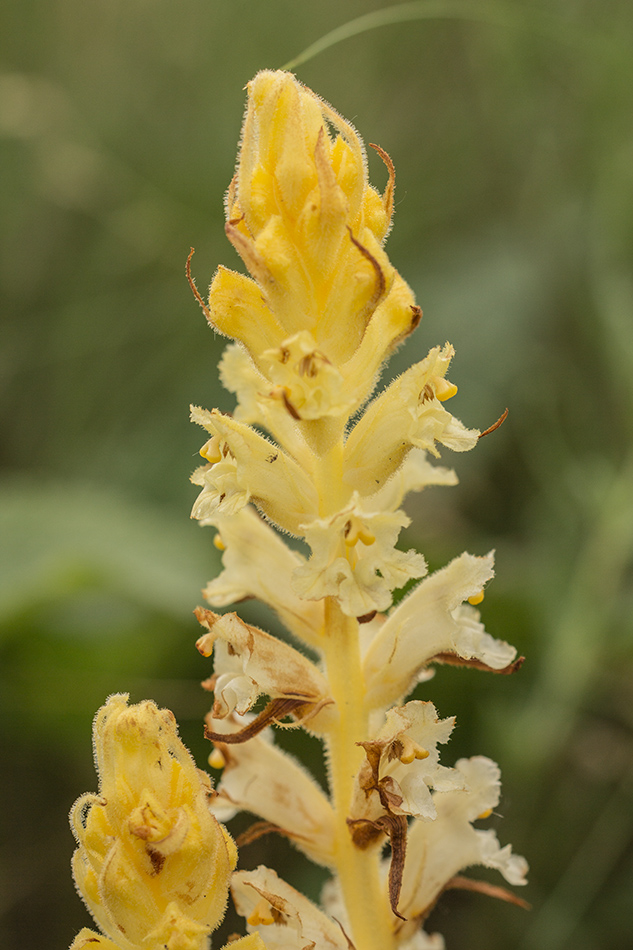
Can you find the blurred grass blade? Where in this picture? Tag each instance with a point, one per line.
(490, 13)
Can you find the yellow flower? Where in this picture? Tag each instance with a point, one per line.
(257, 563)
(243, 465)
(312, 325)
(410, 412)
(354, 559)
(324, 306)
(403, 763)
(286, 919)
(153, 865)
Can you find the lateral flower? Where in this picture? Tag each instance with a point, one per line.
(438, 850)
(408, 413)
(257, 563)
(261, 778)
(243, 465)
(433, 624)
(354, 559)
(402, 764)
(249, 662)
(285, 918)
(153, 864)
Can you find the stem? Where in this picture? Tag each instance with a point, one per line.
(358, 870)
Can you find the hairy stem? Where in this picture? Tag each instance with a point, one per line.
(358, 870)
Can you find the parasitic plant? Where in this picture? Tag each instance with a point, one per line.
(310, 452)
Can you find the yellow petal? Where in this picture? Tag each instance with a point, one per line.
(252, 468)
(407, 414)
(238, 310)
(89, 940)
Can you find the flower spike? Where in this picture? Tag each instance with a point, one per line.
(312, 325)
(311, 451)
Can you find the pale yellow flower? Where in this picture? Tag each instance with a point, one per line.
(354, 559)
(285, 918)
(153, 865)
(410, 412)
(433, 623)
(402, 764)
(261, 778)
(438, 850)
(243, 465)
(249, 662)
(321, 311)
(257, 563)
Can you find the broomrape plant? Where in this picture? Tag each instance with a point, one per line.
(309, 453)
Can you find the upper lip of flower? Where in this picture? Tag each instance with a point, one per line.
(354, 559)
(432, 623)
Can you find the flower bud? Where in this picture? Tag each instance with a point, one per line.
(153, 865)
(310, 228)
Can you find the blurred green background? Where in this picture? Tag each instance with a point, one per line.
(513, 144)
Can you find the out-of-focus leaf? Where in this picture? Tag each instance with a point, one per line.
(56, 538)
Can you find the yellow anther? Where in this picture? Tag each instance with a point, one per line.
(219, 543)
(217, 760)
(476, 598)
(262, 914)
(443, 389)
(356, 531)
(411, 751)
(211, 450)
(485, 814)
